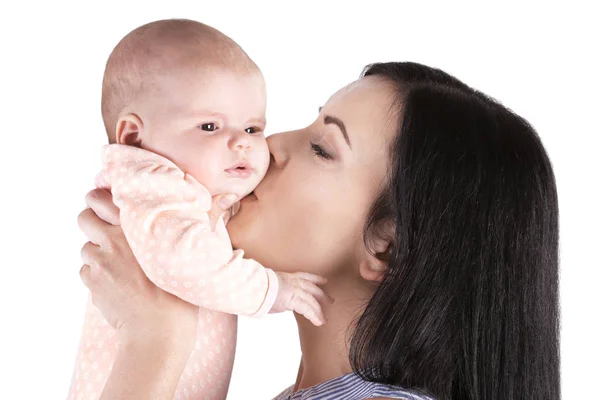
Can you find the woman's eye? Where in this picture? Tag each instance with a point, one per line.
(318, 150)
(209, 127)
(252, 130)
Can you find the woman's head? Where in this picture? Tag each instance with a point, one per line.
(309, 212)
(468, 307)
(455, 196)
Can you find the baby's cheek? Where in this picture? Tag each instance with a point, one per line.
(209, 176)
(264, 159)
(261, 171)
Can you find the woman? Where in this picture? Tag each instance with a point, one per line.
(432, 211)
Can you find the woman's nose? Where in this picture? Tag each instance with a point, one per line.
(278, 149)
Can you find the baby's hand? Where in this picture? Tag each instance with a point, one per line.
(299, 292)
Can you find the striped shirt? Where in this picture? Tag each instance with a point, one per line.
(350, 387)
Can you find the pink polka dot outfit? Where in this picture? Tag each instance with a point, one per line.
(164, 215)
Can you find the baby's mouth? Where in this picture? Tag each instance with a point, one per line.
(241, 169)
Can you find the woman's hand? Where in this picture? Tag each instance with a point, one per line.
(129, 301)
(156, 330)
(120, 289)
(224, 206)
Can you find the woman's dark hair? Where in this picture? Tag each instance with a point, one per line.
(468, 308)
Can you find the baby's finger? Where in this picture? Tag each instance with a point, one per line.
(316, 291)
(317, 279)
(314, 312)
(314, 305)
(304, 309)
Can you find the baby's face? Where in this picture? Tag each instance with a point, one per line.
(211, 124)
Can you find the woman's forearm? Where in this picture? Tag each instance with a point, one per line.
(146, 369)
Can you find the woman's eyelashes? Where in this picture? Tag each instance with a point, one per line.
(320, 152)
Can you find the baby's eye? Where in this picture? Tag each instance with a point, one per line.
(252, 130)
(209, 127)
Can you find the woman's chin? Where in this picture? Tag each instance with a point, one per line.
(240, 224)
(250, 197)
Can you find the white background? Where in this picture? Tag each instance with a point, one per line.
(539, 60)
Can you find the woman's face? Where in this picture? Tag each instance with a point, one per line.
(309, 212)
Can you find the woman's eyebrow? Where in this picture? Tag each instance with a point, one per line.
(329, 119)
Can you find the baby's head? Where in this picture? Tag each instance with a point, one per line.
(184, 90)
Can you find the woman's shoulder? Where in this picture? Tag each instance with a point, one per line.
(351, 387)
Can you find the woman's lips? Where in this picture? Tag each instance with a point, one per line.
(241, 170)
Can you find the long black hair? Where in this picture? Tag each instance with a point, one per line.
(468, 308)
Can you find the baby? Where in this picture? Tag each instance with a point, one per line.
(184, 109)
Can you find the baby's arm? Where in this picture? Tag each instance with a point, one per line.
(164, 214)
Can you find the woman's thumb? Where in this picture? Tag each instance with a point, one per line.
(226, 201)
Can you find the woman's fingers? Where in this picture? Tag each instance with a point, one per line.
(84, 274)
(88, 252)
(225, 202)
(221, 207)
(93, 227)
(101, 202)
(235, 208)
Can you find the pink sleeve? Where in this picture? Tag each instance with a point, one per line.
(164, 215)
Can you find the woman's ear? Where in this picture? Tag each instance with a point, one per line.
(374, 266)
(375, 262)
(130, 130)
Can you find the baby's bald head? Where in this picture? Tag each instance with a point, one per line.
(158, 49)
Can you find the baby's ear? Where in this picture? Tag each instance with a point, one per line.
(130, 130)
(377, 256)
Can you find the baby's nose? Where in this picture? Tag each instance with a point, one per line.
(241, 141)
(242, 144)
